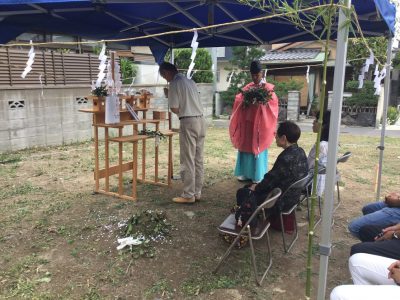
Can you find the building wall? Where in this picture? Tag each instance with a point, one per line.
(148, 74)
(32, 117)
(222, 83)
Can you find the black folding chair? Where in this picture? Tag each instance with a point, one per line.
(256, 233)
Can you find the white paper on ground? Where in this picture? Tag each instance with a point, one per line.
(129, 241)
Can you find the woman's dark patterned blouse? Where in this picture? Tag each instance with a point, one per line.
(290, 166)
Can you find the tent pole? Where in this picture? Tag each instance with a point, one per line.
(172, 58)
(338, 83)
(386, 94)
(214, 57)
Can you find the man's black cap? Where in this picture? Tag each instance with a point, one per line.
(255, 67)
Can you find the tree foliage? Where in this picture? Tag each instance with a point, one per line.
(242, 57)
(357, 52)
(203, 63)
(396, 61)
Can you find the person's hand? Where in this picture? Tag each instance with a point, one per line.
(387, 233)
(394, 271)
(166, 92)
(392, 228)
(384, 235)
(392, 199)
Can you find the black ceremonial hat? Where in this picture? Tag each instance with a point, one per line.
(255, 67)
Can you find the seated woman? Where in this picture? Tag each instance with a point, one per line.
(323, 149)
(374, 277)
(290, 166)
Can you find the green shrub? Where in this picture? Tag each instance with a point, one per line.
(361, 97)
(238, 81)
(392, 115)
(282, 87)
(128, 70)
(202, 62)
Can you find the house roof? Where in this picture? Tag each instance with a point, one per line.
(293, 56)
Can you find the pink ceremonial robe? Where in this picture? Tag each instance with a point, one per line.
(252, 129)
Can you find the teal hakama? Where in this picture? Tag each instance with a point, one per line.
(252, 166)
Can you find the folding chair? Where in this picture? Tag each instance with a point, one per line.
(298, 185)
(321, 171)
(255, 233)
(345, 157)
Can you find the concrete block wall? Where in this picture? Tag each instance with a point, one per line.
(32, 117)
(293, 105)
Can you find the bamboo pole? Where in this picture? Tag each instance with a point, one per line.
(316, 162)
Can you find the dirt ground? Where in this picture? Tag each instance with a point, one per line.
(58, 238)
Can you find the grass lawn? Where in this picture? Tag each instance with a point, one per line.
(58, 239)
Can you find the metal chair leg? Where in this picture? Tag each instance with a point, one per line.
(285, 247)
(320, 212)
(253, 258)
(338, 194)
(227, 253)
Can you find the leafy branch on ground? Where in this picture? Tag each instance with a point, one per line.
(152, 227)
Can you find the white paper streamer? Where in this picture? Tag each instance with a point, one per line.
(265, 73)
(102, 66)
(189, 71)
(383, 72)
(114, 86)
(376, 73)
(378, 78)
(307, 74)
(194, 46)
(396, 38)
(230, 78)
(369, 61)
(361, 80)
(30, 61)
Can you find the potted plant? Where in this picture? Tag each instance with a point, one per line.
(99, 95)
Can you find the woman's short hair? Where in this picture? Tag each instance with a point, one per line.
(166, 66)
(290, 130)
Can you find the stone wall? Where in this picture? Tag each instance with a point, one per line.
(293, 106)
(32, 117)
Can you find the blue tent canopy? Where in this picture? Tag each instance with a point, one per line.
(117, 19)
